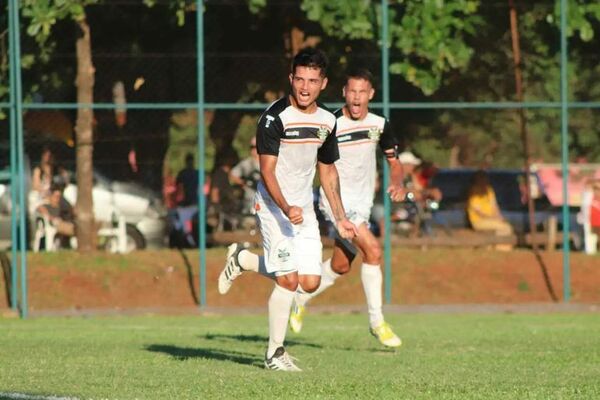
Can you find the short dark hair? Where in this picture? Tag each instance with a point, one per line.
(57, 187)
(311, 58)
(360, 73)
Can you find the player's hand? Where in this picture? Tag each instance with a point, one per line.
(346, 229)
(294, 214)
(397, 192)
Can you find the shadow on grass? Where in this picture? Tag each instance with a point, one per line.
(257, 338)
(185, 353)
(190, 274)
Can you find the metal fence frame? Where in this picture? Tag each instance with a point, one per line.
(16, 107)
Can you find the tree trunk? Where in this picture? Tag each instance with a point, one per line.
(84, 138)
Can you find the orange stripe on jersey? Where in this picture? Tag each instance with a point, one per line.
(355, 143)
(307, 124)
(297, 141)
(356, 128)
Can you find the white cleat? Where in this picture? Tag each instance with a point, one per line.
(232, 268)
(386, 336)
(281, 361)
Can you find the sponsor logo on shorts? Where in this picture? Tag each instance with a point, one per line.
(283, 255)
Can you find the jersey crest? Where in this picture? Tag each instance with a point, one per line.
(375, 133)
(322, 132)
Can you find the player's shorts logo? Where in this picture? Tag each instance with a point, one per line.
(283, 255)
(322, 132)
(374, 133)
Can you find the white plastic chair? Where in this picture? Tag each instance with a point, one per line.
(118, 230)
(590, 239)
(45, 231)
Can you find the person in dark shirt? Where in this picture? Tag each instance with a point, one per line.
(187, 182)
(59, 211)
(222, 197)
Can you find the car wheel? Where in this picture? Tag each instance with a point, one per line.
(134, 241)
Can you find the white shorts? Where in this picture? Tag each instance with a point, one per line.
(288, 247)
(357, 212)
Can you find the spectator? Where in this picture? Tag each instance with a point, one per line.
(423, 173)
(59, 211)
(483, 211)
(222, 199)
(246, 174)
(187, 183)
(595, 208)
(41, 179)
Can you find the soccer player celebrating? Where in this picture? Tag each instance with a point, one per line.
(295, 137)
(359, 132)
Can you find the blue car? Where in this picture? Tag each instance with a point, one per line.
(509, 185)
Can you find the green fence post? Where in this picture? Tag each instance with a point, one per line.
(385, 85)
(201, 150)
(565, 148)
(18, 107)
(13, 169)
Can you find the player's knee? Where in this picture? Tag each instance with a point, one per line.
(340, 268)
(373, 255)
(289, 281)
(309, 283)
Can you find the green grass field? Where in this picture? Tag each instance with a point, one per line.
(444, 356)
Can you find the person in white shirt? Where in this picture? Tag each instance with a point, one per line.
(359, 133)
(295, 137)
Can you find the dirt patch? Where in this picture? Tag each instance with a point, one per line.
(169, 279)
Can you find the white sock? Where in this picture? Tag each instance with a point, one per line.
(372, 280)
(253, 262)
(280, 304)
(248, 260)
(328, 277)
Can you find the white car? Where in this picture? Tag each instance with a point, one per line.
(142, 209)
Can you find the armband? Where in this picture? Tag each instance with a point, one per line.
(392, 153)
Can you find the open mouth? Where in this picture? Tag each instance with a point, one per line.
(304, 96)
(355, 108)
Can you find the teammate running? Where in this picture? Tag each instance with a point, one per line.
(359, 132)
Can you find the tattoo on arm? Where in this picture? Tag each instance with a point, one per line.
(336, 204)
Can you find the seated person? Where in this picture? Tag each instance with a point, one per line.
(482, 208)
(224, 205)
(246, 174)
(59, 212)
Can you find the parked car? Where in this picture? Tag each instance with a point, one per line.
(142, 209)
(509, 185)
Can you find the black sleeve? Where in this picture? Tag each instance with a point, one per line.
(387, 141)
(268, 134)
(329, 153)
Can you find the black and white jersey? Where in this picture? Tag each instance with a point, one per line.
(357, 166)
(298, 140)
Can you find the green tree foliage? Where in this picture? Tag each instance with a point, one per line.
(427, 37)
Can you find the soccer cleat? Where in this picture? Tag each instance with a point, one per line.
(232, 268)
(281, 361)
(383, 332)
(297, 317)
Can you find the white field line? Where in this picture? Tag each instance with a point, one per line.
(23, 396)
